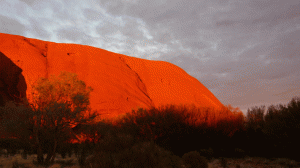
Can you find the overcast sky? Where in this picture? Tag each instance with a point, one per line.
(246, 52)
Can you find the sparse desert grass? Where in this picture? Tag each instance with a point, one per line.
(257, 162)
(248, 162)
(30, 162)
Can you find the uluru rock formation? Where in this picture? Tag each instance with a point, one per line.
(121, 83)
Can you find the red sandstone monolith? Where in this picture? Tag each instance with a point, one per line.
(121, 83)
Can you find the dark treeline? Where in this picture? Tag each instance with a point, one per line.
(269, 133)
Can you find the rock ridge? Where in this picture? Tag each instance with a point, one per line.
(121, 83)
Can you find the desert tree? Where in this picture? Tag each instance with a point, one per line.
(282, 125)
(58, 104)
(255, 117)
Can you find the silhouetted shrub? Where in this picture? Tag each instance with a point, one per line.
(17, 165)
(180, 128)
(143, 154)
(24, 154)
(113, 142)
(223, 162)
(239, 153)
(153, 123)
(2, 102)
(63, 154)
(69, 152)
(281, 128)
(12, 152)
(65, 149)
(207, 153)
(255, 118)
(82, 154)
(194, 160)
(4, 152)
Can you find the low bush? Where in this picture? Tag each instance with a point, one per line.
(16, 164)
(24, 154)
(143, 154)
(239, 153)
(193, 159)
(208, 153)
(223, 162)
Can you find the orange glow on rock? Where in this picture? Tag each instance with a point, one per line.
(121, 83)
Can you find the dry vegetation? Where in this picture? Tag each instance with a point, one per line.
(169, 136)
(135, 140)
(71, 162)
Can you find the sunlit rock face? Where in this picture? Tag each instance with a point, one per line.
(121, 83)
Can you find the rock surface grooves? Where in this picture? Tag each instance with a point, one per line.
(121, 83)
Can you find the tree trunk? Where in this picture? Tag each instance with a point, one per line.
(54, 151)
(82, 155)
(40, 157)
(51, 153)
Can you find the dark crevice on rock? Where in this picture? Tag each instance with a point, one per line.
(138, 76)
(43, 50)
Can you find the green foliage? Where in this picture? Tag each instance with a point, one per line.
(194, 160)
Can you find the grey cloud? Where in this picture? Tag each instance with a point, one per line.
(38, 29)
(63, 11)
(258, 92)
(195, 43)
(245, 70)
(71, 34)
(114, 7)
(88, 40)
(183, 60)
(252, 68)
(237, 49)
(131, 29)
(43, 6)
(204, 71)
(287, 46)
(91, 14)
(226, 23)
(11, 26)
(158, 12)
(106, 28)
(28, 2)
(163, 37)
(258, 15)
